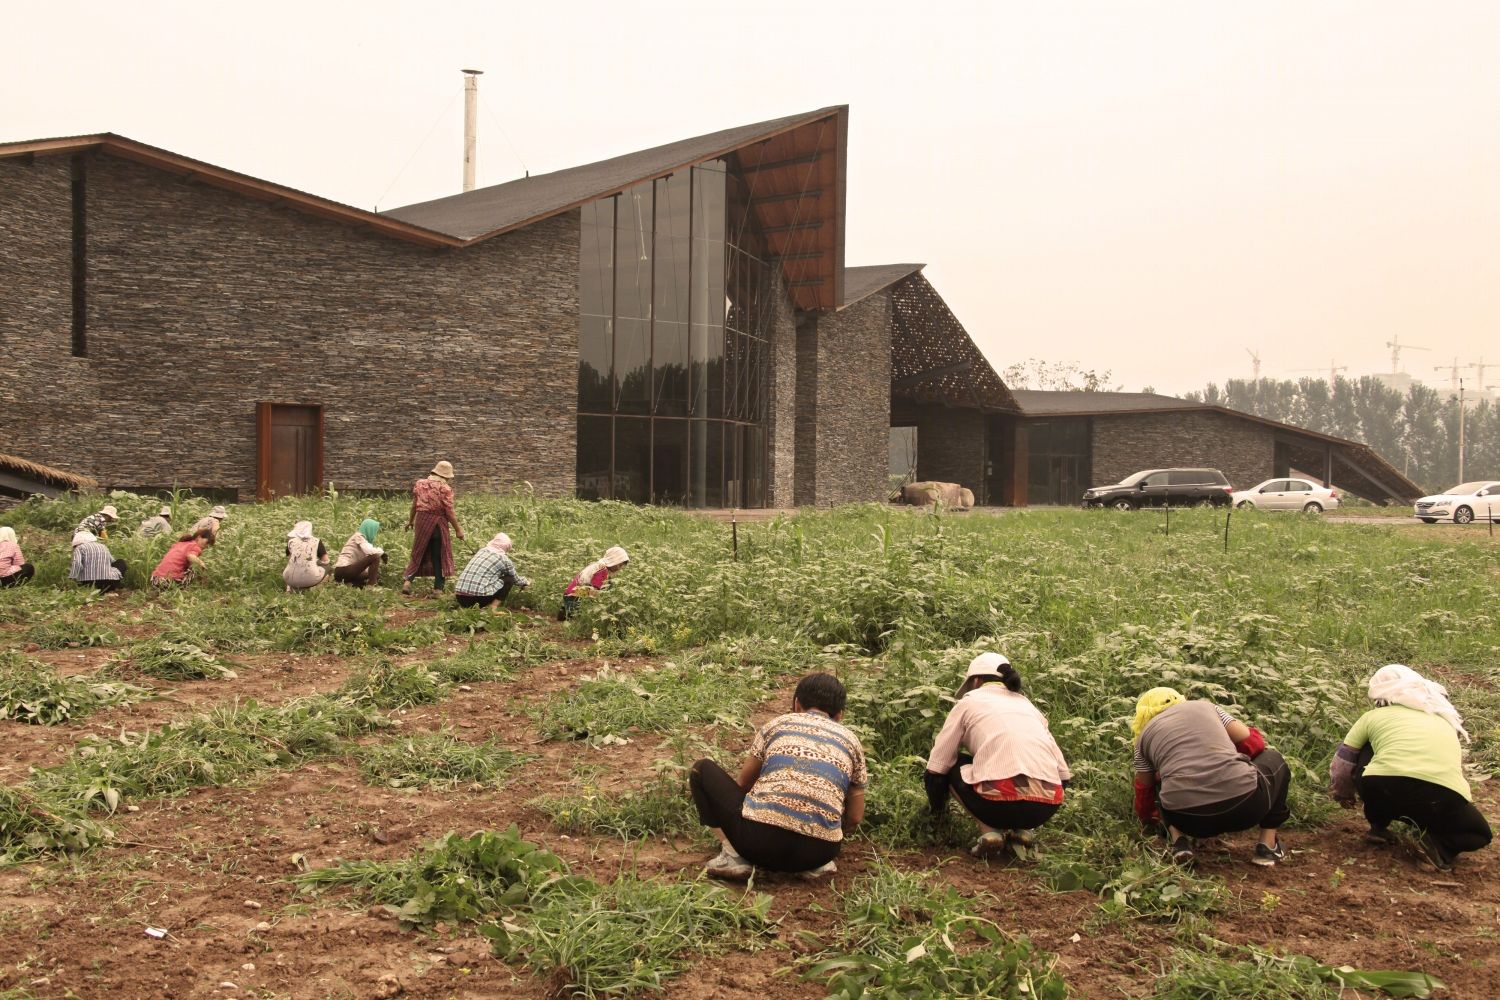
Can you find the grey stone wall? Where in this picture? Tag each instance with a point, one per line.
(203, 302)
(1241, 449)
(48, 395)
(951, 447)
(843, 412)
(782, 400)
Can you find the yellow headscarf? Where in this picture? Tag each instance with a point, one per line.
(1150, 704)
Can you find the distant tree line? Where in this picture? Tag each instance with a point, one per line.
(1417, 432)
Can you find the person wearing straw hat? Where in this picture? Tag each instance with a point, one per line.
(591, 579)
(94, 565)
(211, 521)
(14, 568)
(488, 578)
(359, 560)
(1413, 767)
(306, 559)
(1013, 777)
(429, 519)
(98, 524)
(161, 522)
(1216, 775)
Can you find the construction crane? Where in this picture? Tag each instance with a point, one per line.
(1255, 365)
(1333, 370)
(1452, 371)
(1396, 348)
(1479, 367)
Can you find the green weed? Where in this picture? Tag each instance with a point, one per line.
(612, 703)
(176, 658)
(34, 693)
(437, 759)
(1266, 976)
(33, 826)
(386, 685)
(660, 807)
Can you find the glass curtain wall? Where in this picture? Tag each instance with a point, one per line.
(1059, 466)
(673, 344)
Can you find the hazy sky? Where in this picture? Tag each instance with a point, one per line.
(1148, 188)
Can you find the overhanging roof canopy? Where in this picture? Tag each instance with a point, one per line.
(933, 359)
(795, 168)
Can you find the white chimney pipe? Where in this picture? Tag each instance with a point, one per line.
(471, 123)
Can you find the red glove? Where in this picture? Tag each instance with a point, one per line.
(1252, 744)
(1145, 802)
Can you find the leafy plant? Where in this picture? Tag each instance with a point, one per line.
(437, 759)
(656, 808)
(173, 659)
(32, 826)
(452, 879)
(34, 693)
(611, 703)
(593, 940)
(386, 685)
(1267, 976)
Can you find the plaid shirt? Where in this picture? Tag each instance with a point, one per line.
(486, 573)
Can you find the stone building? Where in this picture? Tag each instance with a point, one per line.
(675, 325)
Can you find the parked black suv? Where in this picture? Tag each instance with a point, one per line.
(1160, 487)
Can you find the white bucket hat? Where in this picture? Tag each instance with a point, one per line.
(109, 511)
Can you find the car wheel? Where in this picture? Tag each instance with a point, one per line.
(1243, 504)
(1122, 504)
(1463, 515)
(1429, 520)
(1313, 507)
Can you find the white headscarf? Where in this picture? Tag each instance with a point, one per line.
(1401, 685)
(615, 557)
(82, 537)
(500, 543)
(302, 529)
(7, 534)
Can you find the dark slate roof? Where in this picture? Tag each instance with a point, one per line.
(862, 282)
(490, 210)
(1049, 402)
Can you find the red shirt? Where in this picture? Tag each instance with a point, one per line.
(599, 580)
(174, 564)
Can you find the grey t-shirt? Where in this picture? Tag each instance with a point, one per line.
(1188, 746)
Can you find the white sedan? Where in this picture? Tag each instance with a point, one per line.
(1287, 494)
(1477, 501)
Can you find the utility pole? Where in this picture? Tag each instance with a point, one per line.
(1460, 430)
(471, 124)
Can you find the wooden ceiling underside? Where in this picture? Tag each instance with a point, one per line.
(932, 358)
(795, 181)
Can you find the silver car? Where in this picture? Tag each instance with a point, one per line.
(1288, 494)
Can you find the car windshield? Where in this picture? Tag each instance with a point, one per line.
(1468, 489)
(1131, 480)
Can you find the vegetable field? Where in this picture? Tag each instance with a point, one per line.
(233, 791)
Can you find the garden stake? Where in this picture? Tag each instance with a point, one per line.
(734, 527)
(1169, 519)
(1227, 515)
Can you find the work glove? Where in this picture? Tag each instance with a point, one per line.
(1145, 803)
(937, 790)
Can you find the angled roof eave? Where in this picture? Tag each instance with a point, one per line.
(870, 280)
(188, 169)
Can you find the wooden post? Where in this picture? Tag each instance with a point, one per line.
(1169, 518)
(734, 528)
(1227, 515)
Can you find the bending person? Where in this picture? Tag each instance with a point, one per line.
(430, 517)
(360, 558)
(1216, 774)
(591, 579)
(93, 564)
(158, 524)
(98, 524)
(14, 568)
(489, 576)
(1415, 767)
(1012, 779)
(306, 559)
(803, 783)
(181, 564)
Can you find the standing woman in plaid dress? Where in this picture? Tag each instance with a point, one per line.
(431, 514)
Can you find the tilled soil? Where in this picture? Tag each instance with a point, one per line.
(212, 869)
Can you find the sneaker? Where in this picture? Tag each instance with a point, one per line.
(988, 845)
(730, 866)
(1433, 852)
(1022, 838)
(1379, 835)
(817, 873)
(1267, 856)
(1182, 850)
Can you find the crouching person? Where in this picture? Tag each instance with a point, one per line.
(1013, 778)
(1216, 775)
(1404, 759)
(488, 578)
(802, 784)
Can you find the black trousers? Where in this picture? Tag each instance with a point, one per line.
(26, 572)
(1264, 806)
(1452, 820)
(721, 801)
(471, 600)
(105, 586)
(363, 570)
(998, 815)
